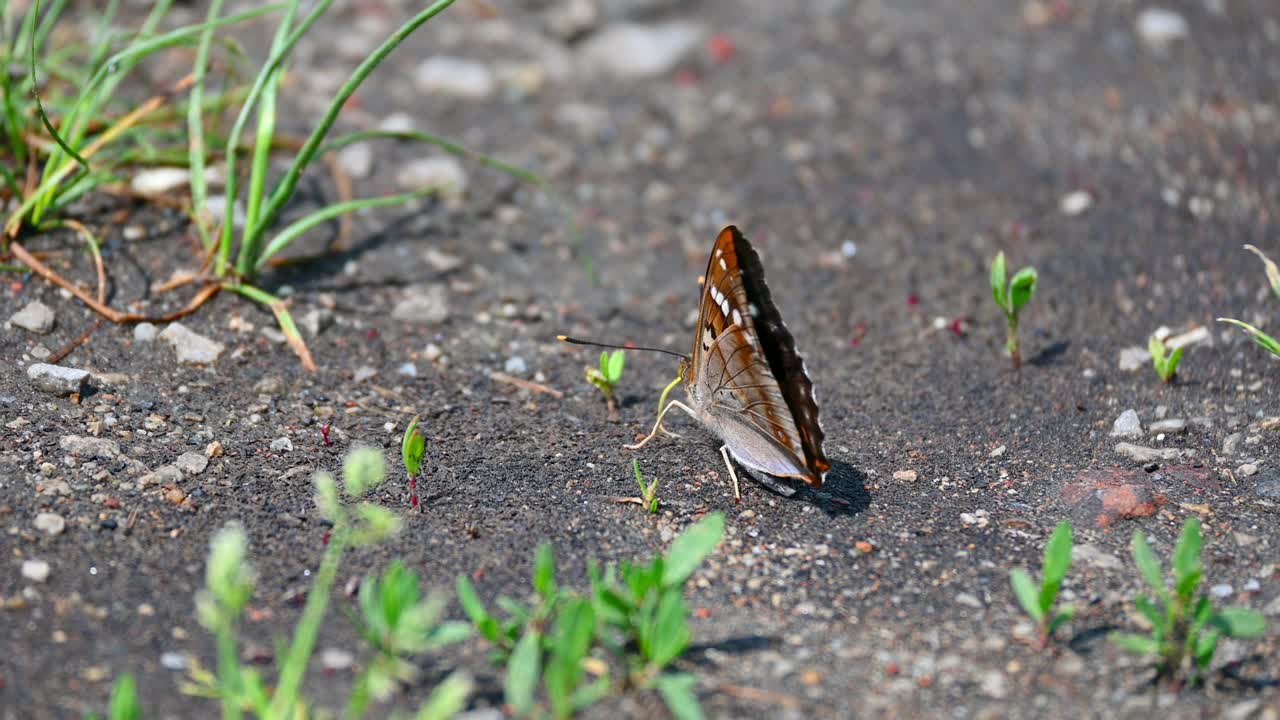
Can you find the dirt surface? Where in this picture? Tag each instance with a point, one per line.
(878, 155)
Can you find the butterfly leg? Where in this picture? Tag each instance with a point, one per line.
(658, 424)
(724, 453)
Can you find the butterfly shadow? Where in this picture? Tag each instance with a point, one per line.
(844, 492)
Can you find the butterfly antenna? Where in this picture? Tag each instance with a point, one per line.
(592, 343)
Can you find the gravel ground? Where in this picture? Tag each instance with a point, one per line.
(878, 155)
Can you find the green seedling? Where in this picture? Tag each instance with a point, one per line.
(1039, 601)
(393, 617)
(1011, 298)
(635, 617)
(1265, 341)
(648, 493)
(607, 376)
(1185, 629)
(1166, 363)
(397, 622)
(412, 447)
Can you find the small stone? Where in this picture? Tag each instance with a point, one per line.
(175, 496)
(51, 524)
(995, 685)
(632, 51)
(269, 385)
(442, 262)
(332, 659)
(1269, 486)
(1247, 470)
(192, 463)
(442, 174)
(364, 372)
(1191, 337)
(161, 180)
(315, 321)
(1244, 539)
(163, 475)
(89, 447)
(1159, 28)
(408, 369)
(35, 570)
(1243, 710)
(968, 600)
(174, 661)
(1222, 591)
(1100, 497)
(428, 305)
(357, 159)
(1172, 426)
(56, 379)
(1092, 555)
(447, 75)
(998, 452)
(213, 449)
(905, 475)
(1134, 358)
(1127, 425)
(1231, 444)
(36, 317)
(282, 444)
(515, 365)
(979, 518)
(1143, 454)
(191, 348)
(432, 352)
(1075, 203)
(144, 332)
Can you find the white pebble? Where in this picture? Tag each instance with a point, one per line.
(1075, 203)
(35, 570)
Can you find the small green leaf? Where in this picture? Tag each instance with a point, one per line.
(485, 623)
(1171, 365)
(671, 634)
(604, 365)
(1156, 348)
(1238, 622)
(1138, 644)
(1273, 272)
(1064, 615)
(677, 691)
(1021, 288)
(327, 496)
(523, 671)
(1203, 647)
(1025, 590)
(1147, 563)
(692, 547)
(375, 524)
(412, 447)
(999, 291)
(1186, 558)
(1057, 560)
(448, 633)
(617, 359)
(1150, 611)
(1263, 340)
(362, 470)
(124, 700)
(544, 570)
(447, 699)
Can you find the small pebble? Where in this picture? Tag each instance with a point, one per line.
(1171, 426)
(174, 661)
(1127, 425)
(36, 317)
(408, 369)
(998, 452)
(1247, 470)
(192, 348)
(282, 444)
(1159, 27)
(633, 51)
(459, 77)
(1134, 358)
(1231, 444)
(335, 659)
(1075, 203)
(427, 305)
(51, 524)
(515, 365)
(56, 379)
(192, 463)
(1221, 591)
(905, 475)
(357, 159)
(35, 570)
(432, 352)
(144, 332)
(364, 372)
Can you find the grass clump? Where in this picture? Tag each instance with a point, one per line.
(412, 447)
(625, 633)
(393, 617)
(607, 377)
(1165, 362)
(1012, 297)
(1265, 341)
(1185, 627)
(1039, 600)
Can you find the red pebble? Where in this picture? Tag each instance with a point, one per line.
(721, 47)
(913, 300)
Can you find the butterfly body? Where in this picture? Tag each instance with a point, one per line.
(745, 380)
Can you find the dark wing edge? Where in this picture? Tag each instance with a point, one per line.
(784, 360)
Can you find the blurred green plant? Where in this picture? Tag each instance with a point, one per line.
(412, 447)
(1265, 341)
(648, 493)
(1185, 629)
(1012, 297)
(607, 377)
(1039, 600)
(1166, 363)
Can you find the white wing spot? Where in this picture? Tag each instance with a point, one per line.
(719, 252)
(723, 266)
(737, 317)
(724, 305)
(752, 310)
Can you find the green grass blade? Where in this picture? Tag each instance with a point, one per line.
(124, 700)
(1238, 622)
(1186, 558)
(1147, 564)
(1027, 594)
(1137, 644)
(523, 672)
(1057, 560)
(447, 699)
(1273, 272)
(544, 570)
(195, 127)
(284, 189)
(998, 287)
(282, 239)
(449, 147)
(1264, 340)
(677, 691)
(266, 128)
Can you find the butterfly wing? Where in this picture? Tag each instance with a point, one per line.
(745, 370)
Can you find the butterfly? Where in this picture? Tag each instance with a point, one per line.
(745, 381)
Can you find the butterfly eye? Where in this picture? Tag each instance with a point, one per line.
(702, 279)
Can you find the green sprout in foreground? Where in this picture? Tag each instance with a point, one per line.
(606, 378)
(648, 493)
(1011, 298)
(1166, 364)
(1039, 601)
(1185, 629)
(412, 447)
(1265, 341)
